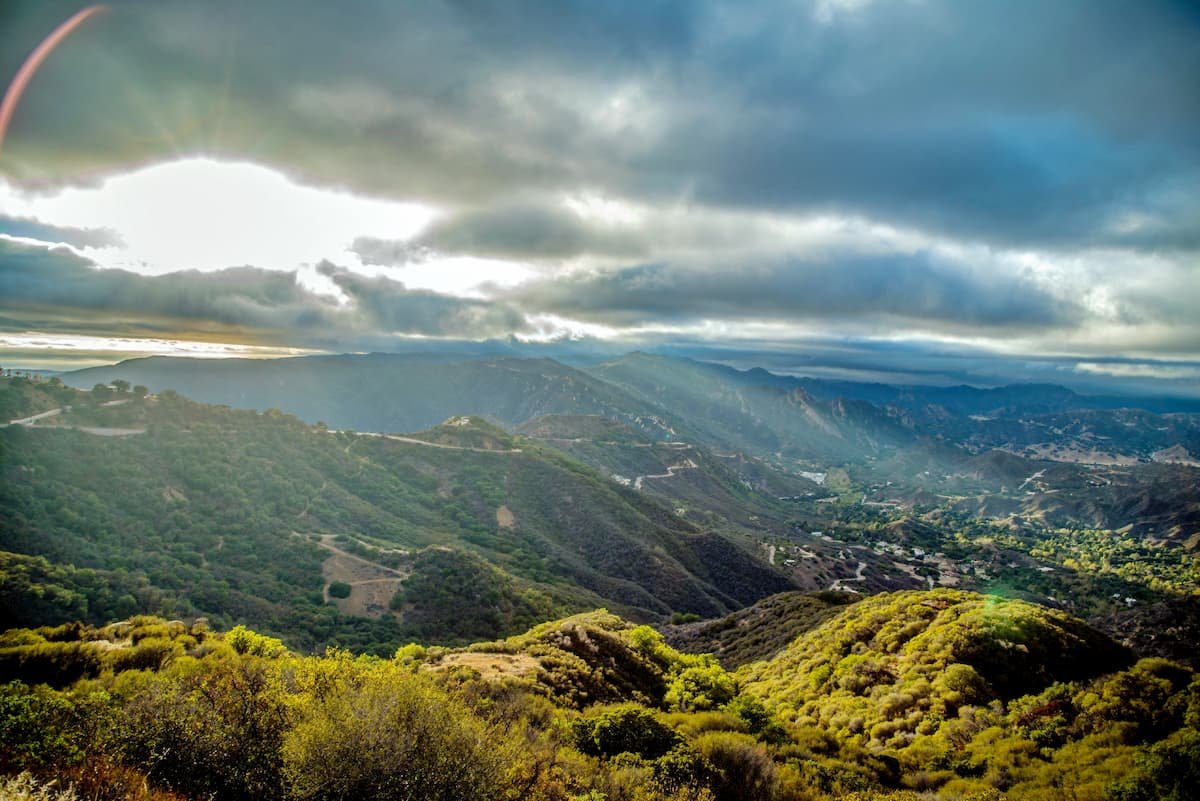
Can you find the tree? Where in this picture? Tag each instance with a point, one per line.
(101, 392)
(140, 390)
(120, 385)
(704, 685)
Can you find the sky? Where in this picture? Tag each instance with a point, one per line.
(915, 191)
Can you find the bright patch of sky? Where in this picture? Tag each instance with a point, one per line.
(34, 350)
(203, 214)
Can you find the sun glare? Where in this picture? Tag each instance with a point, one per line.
(206, 214)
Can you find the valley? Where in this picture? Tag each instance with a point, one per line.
(713, 464)
(832, 597)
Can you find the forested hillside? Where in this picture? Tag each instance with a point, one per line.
(169, 506)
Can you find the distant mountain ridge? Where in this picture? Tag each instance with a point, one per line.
(377, 392)
(668, 398)
(1023, 398)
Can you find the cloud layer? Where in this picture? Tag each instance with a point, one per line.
(1022, 177)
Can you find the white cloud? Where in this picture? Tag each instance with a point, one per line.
(127, 347)
(1141, 370)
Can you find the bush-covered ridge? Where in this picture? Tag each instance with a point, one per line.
(903, 668)
(594, 707)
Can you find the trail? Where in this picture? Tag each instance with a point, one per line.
(442, 446)
(371, 584)
(858, 576)
(106, 432)
(317, 494)
(99, 431)
(671, 471)
(32, 419)
(326, 542)
(1038, 474)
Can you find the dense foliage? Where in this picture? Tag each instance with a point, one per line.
(593, 707)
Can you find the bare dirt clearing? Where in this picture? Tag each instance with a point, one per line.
(372, 585)
(491, 666)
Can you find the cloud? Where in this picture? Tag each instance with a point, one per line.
(56, 290)
(385, 306)
(1023, 174)
(914, 112)
(25, 228)
(917, 288)
(533, 230)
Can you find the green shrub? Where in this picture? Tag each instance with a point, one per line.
(394, 737)
(245, 641)
(624, 729)
(38, 728)
(702, 686)
(743, 768)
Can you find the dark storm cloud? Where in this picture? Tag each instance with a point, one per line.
(36, 277)
(56, 290)
(1022, 121)
(917, 288)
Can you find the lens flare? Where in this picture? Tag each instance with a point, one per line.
(39, 54)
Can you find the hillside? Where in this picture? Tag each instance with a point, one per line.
(378, 392)
(905, 697)
(760, 418)
(893, 642)
(759, 631)
(324, 537)
(696, 481)
(784, 419)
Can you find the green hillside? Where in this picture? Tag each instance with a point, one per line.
(731, 411)
(759, 631)
(253, 518)
(929, 653)
(593, 707)
(700, 483)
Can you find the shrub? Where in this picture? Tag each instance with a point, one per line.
(36, 728)
(209, 728)
(702, 686)
(624, 729)
(339, 589)
(393, 736)
(245, 641)
(743, 769)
